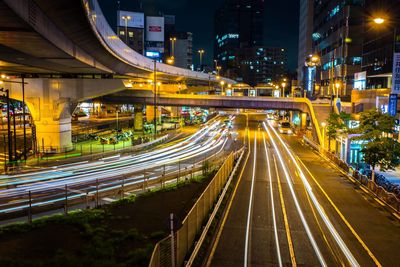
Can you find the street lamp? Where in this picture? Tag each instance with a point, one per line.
(337, 85)
(171, 60)
(222, 86)
(126, 18)
(172, 40)
(323, 124)
(283, 88)
(379, 20)
(201, 53)
(155, 98)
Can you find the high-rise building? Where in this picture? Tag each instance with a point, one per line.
(305, 41)
(262, 65)
(377, 56)
(238, 24)
(337, 39)
(182, 49)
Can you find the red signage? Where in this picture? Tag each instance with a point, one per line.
(155, 28)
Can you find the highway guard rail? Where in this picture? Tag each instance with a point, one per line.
(66, 196)
(173, 250)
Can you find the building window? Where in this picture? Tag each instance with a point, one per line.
(121, 32)
(130, 34)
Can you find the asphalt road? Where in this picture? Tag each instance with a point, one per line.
(49, 186)
(291, 207)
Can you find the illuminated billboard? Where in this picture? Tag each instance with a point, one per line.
(155, 29)
(130, 19)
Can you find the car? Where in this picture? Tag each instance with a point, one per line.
(285, 128)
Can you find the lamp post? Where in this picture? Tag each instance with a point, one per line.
(201, 53)
(283, 89)
(126, 18)
(323, 124)
(155, 98)
(337, 86)
(173, 40)
(222, 87)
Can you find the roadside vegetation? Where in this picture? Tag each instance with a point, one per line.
(120, 234)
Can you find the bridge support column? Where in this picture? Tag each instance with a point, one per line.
(138, 119)
(303, 120)
(52, 119)
(150, 113)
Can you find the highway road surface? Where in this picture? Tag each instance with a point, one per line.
(290, 207)
(212, 142)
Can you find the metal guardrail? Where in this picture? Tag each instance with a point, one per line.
(203, 235)
(66, 196)
(183, 239)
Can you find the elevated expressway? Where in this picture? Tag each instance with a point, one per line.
(302, 105)
(67, 52)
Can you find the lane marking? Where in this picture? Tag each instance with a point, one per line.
(320, 209)
(278, 250)
(317, 205)
(285, 218)
(331, 248)
(380, 202)
(219, 232)
(296, 202)
(396, 215)
(365, 190)
(250, 209)
(365, 247)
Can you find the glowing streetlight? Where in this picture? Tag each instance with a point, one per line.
(171, 60)
(126, 18)
(201, 53)
(379, 20)
(172, 52)
(283, 88)
(222, 83)
(337, 85)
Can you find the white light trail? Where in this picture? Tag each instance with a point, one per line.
(250, 209)
(318, 206)
(278, 250)
(296, 202)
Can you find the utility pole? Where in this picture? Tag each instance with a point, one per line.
(23, 112)
(155, 99)
(10, 155)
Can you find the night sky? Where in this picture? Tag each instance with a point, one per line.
(280, 23)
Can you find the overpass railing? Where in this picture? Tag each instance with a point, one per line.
(119, 49)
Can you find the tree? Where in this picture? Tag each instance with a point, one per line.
(379, 149)
(336, 122)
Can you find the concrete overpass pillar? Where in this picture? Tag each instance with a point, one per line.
(150, 113)
(138, 118)
(52, 119)
(303, 120)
